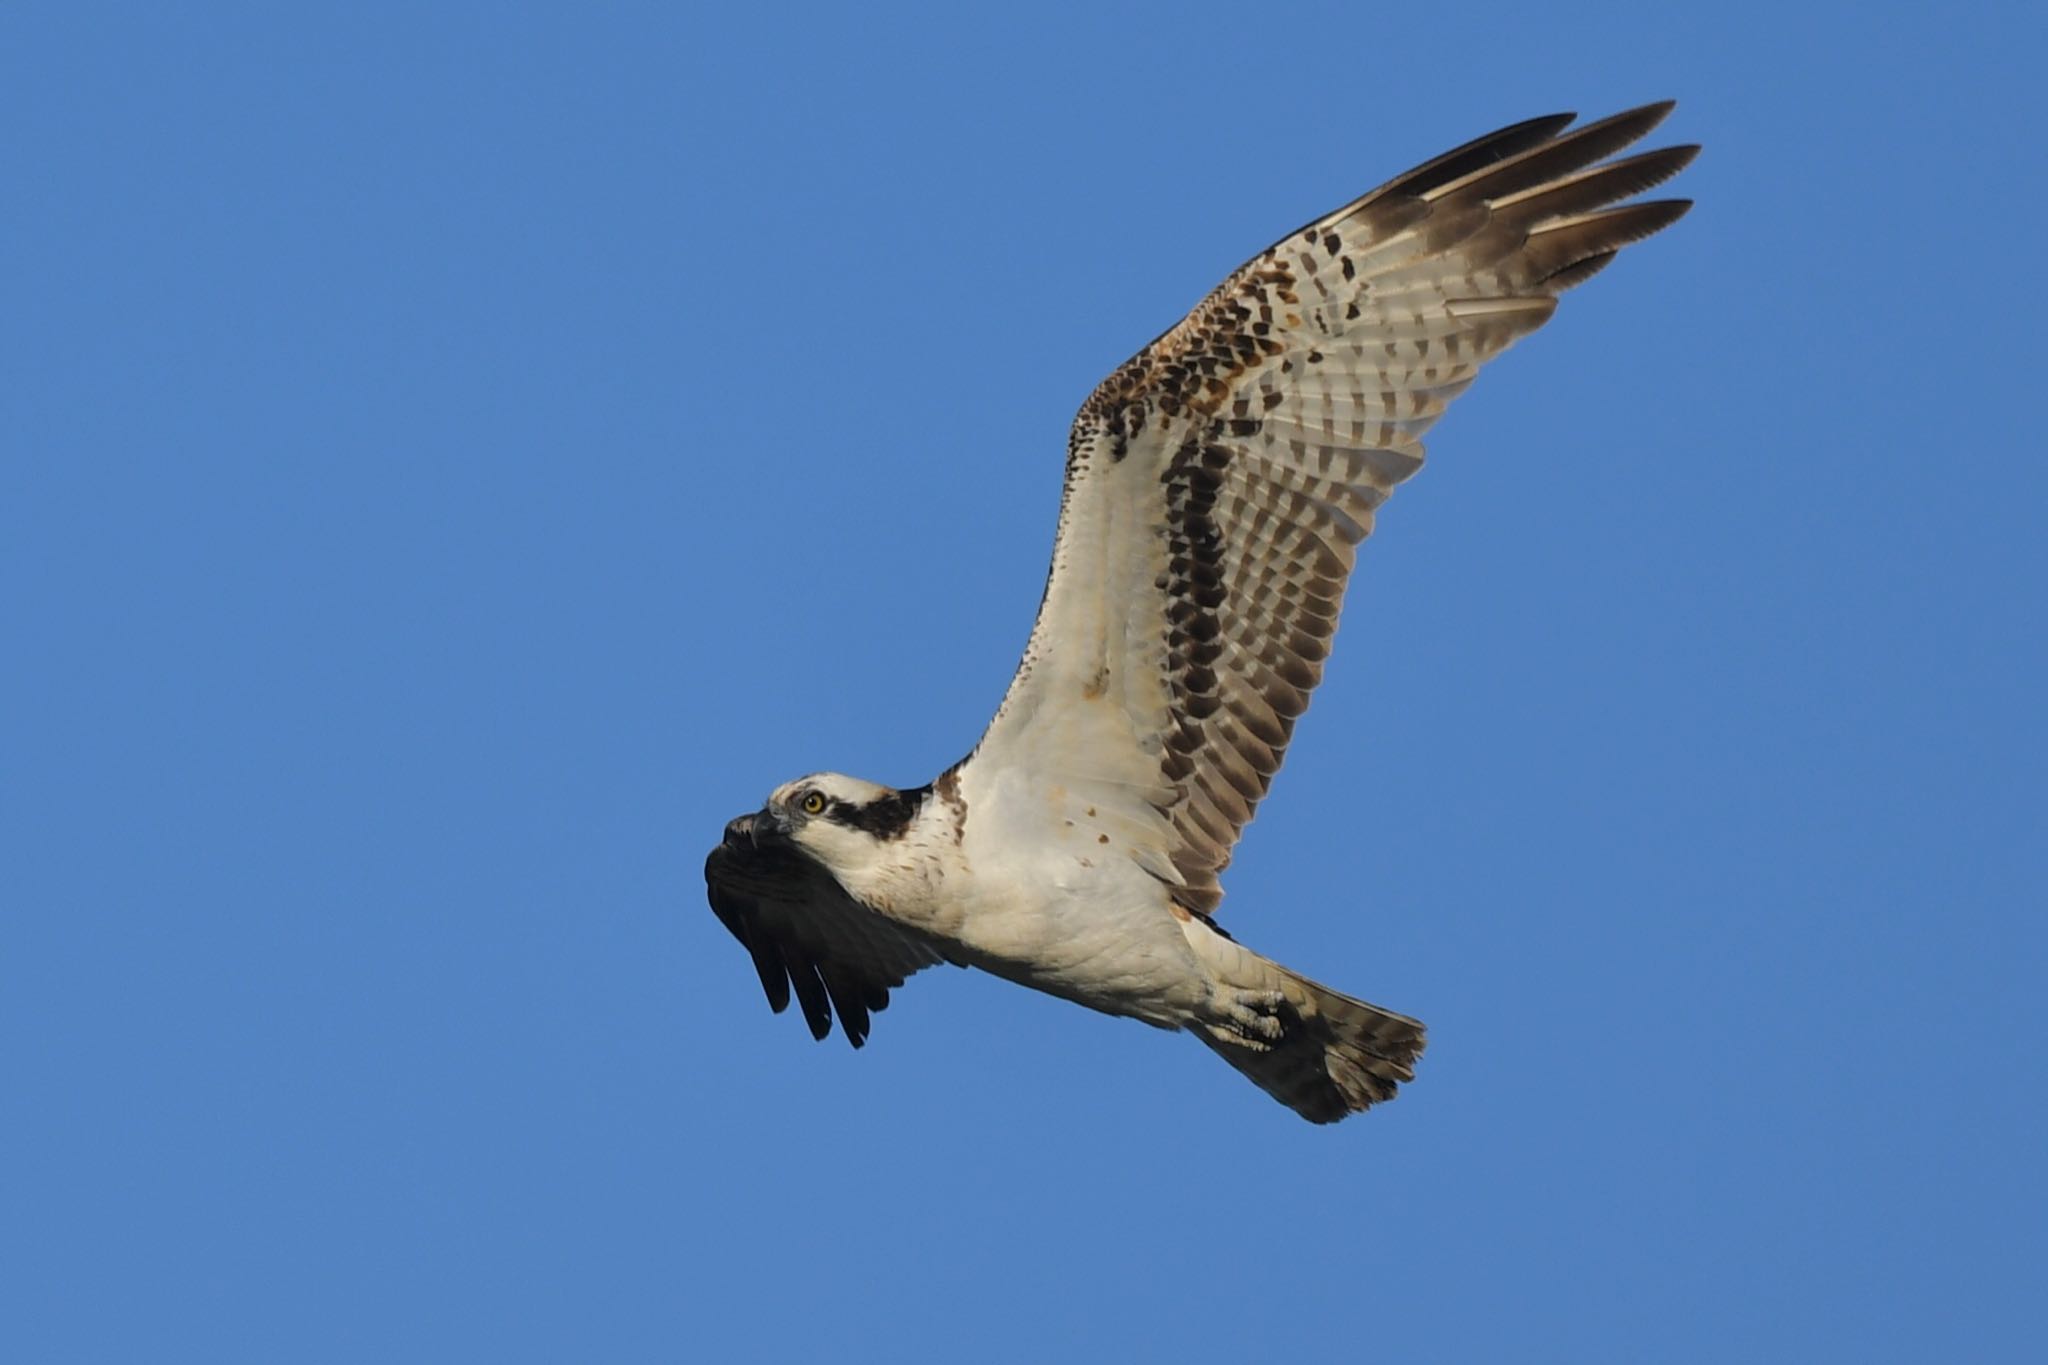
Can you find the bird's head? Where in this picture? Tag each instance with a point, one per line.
(842, 823)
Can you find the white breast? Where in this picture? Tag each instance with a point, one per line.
(1054, 897)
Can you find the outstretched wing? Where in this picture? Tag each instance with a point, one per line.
(806, 934)
(1220, 481)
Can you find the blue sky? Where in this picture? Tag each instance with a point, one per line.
(457, 456)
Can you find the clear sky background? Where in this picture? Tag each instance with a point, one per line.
(456, 456)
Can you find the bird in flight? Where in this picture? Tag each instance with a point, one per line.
(1218, 485)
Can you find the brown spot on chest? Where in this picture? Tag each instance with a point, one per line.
(947, 789)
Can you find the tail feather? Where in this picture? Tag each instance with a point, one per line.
(1333, 1055)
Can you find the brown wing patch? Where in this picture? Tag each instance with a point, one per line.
(1288, 404)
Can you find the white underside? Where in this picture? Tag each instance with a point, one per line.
(1048, 886)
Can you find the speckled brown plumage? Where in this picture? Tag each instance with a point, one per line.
(1272, 422)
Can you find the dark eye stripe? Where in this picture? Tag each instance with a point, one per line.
(886, 817)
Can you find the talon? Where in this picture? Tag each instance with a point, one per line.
(1255, 1015)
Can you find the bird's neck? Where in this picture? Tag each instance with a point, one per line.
(908, 878)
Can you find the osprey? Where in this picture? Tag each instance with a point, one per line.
(1217, 487)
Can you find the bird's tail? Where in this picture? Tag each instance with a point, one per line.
(1319, 1052)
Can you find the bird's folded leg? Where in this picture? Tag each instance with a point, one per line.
(1250, 1018)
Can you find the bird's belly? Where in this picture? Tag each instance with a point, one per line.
(1109, 942)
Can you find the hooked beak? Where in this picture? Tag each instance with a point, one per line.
(749, 832)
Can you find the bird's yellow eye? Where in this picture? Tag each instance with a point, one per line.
(813, 803)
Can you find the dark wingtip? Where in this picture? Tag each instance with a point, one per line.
(1654, 215)
(737, 915)
(1642, 118)
(810, 993)
(773, 971)
(846, 999)
(1679, 155)
(1546, 124)
(1637, 121)
(1480, 152)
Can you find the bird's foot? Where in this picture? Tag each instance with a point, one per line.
(1250, 1017)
